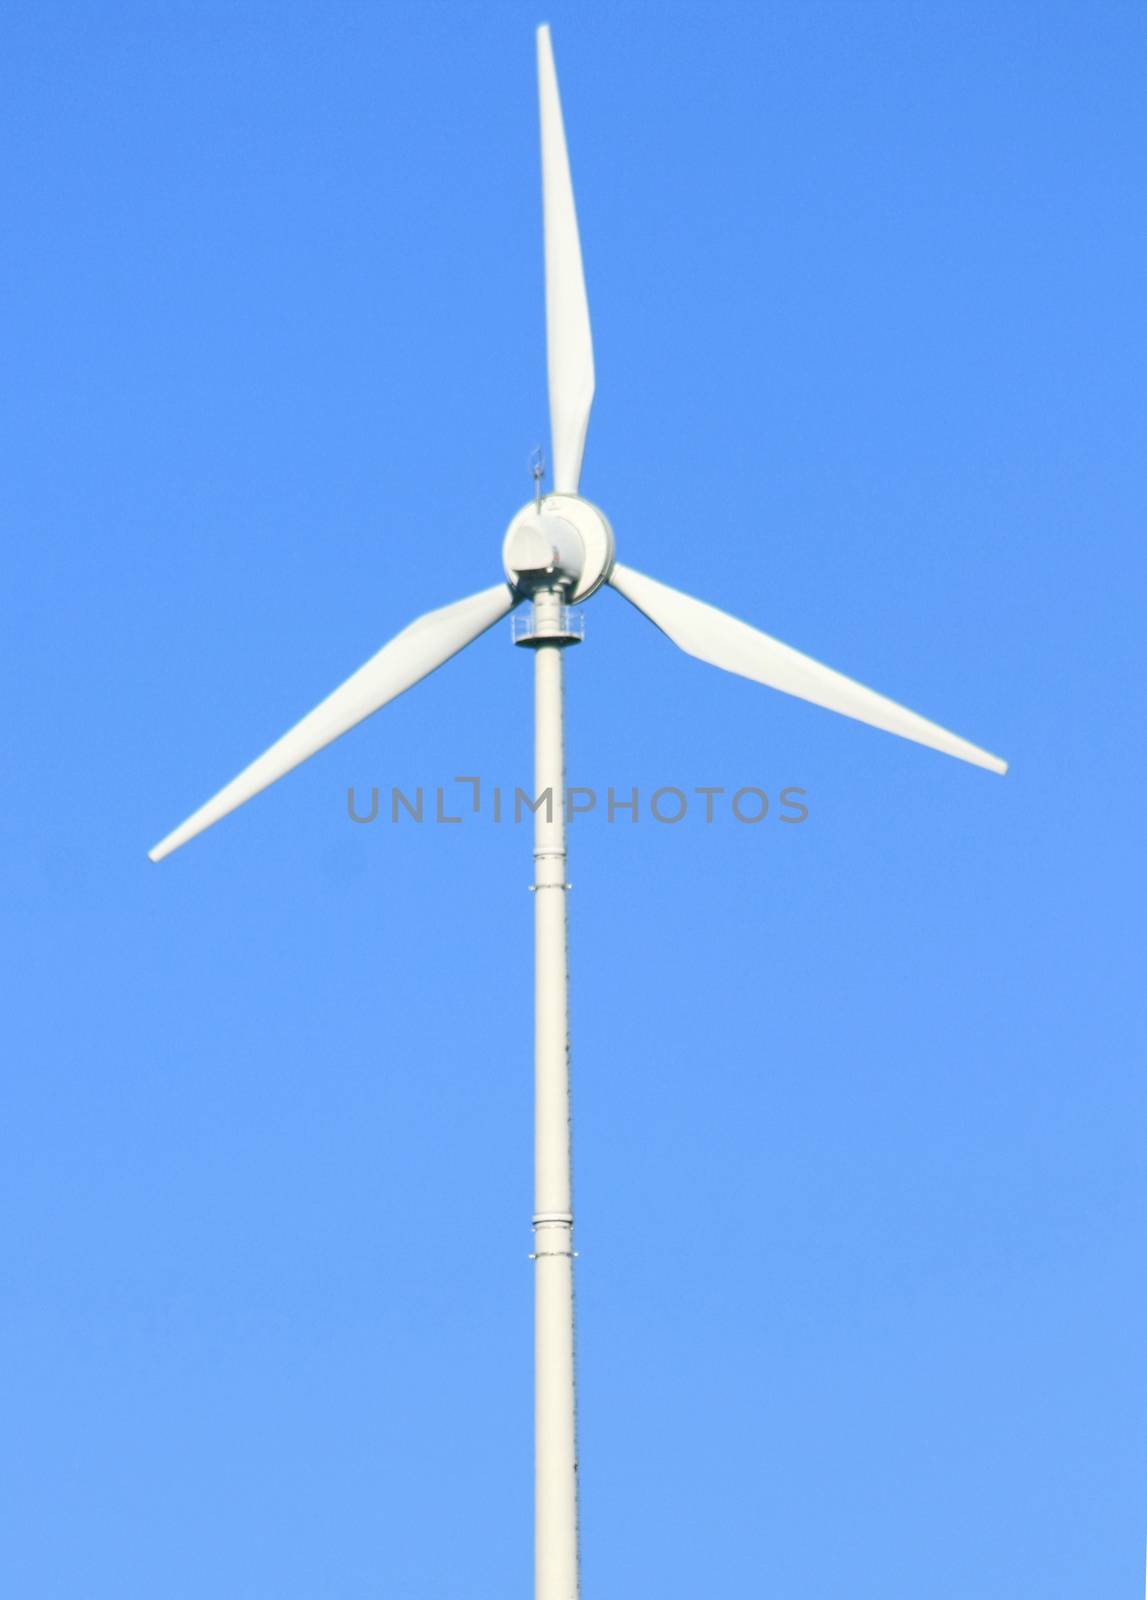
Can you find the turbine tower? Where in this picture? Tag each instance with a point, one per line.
(558, 550)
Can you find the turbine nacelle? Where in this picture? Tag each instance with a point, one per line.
(560, 542)
(543, 552)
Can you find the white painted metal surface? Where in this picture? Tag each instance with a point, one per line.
(585, 561)
(714, 636)
(569, 347)
(555, 1439)
(409, 657)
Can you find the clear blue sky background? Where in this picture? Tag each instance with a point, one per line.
(860, 1105)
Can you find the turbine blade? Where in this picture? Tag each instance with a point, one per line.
(410, 656)
(569, 346)
(714, 636)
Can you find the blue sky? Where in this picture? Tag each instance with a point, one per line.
(860, 1103)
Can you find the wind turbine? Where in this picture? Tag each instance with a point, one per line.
(557, 551)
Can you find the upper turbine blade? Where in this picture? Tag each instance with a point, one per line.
(409, 656)
(714, 636)
(569, 347)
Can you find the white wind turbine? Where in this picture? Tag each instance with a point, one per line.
(560, 549)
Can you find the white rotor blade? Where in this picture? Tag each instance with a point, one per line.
(714, 636)
(569, 347)
(409, 656)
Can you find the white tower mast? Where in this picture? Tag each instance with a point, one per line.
(555, 1423)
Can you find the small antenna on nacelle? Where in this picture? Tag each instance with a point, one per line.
(538, 472)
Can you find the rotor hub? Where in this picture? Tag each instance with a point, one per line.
(560, 542)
